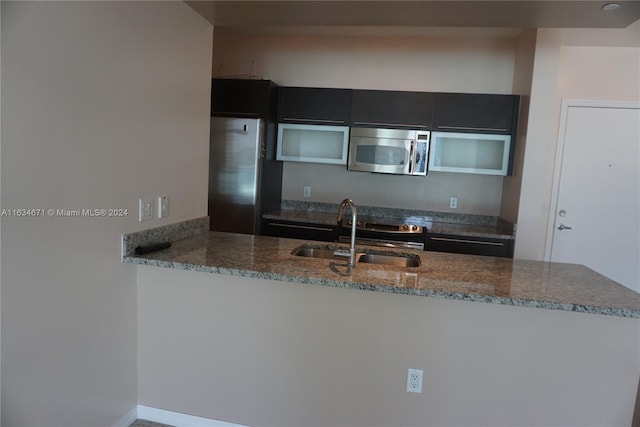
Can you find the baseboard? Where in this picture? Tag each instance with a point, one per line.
(128, 419)
(177, 419)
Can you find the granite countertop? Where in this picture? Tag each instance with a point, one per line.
(436, 223)
(556, 286)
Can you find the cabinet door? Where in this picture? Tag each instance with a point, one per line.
(300, 230)
(391, 109)
(312, 143)
(469, 245)
(479, 113)
(314, 105)
(477, 153)
(243, 98)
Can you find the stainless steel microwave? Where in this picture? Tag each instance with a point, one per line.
(395, 151)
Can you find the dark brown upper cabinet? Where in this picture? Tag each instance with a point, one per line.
(391, 109)
(314, 105)
(244, 98)
(476, 113)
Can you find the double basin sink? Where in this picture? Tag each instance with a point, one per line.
(395, 259)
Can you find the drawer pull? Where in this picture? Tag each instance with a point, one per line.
(473, 128)
(304, 227)
(477, 242)
(289, 119)
(398, 125)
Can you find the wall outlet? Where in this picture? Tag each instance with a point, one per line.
(163, 206)
(145, 209)
(453, 203)
(414, 381)
(306, 191)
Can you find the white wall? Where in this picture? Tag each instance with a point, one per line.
(268, 353)
(103, 102)
(573, 64)
(362, 60)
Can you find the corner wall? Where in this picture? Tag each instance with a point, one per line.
(600, 64)
(102, 103)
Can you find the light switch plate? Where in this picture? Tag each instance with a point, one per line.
(163, 206)
(145, 209)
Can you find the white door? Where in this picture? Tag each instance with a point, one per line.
(596, 214)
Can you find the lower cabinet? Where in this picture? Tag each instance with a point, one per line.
(300, 230)
(469, 245)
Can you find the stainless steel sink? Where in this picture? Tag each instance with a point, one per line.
(364, 256)
(314, 252)
(403, 260)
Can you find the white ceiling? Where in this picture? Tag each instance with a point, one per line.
(500, 17)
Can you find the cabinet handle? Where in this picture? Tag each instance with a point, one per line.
(478, 242)
(472, 128)
(391, 124)
(235, 114)
(289, 119)
(304, 227)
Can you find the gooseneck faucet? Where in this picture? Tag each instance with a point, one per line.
(354, 221)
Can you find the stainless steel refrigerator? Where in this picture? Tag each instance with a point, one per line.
(244, 178)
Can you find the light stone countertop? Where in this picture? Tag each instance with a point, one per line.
(538, 284)
(433, 225)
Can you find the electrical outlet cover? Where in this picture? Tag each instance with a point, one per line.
(414, 381)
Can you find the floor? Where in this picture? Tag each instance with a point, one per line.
(145, 423)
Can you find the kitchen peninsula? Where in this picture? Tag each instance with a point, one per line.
(554, 340)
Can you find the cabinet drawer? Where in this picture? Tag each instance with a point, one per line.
(300, 230)
(469, 245)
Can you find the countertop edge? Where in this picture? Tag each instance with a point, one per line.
(578, 308)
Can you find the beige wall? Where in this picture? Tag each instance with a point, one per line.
(571, 64)
(423, 63)
(479, 194)
(261, 352)
(103, 102)
(522, 79)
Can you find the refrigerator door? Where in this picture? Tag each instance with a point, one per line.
(234, 171)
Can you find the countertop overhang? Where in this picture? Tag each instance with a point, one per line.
(555, 286)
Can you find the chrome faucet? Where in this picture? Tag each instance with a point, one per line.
(351, 254)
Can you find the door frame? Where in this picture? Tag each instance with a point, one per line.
(557, 169)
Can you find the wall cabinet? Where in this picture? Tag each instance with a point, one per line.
(300, 230)
(244, 98)
(470, 153)
(477, 113)
(391, 109)
(313, 143)
(469, 245)
(314, 105)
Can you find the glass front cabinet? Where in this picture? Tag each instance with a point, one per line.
(470, 153)
(313, 143)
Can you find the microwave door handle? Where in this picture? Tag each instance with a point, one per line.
(412, 156)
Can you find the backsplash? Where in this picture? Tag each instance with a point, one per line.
(381, 212)
(476, 194)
